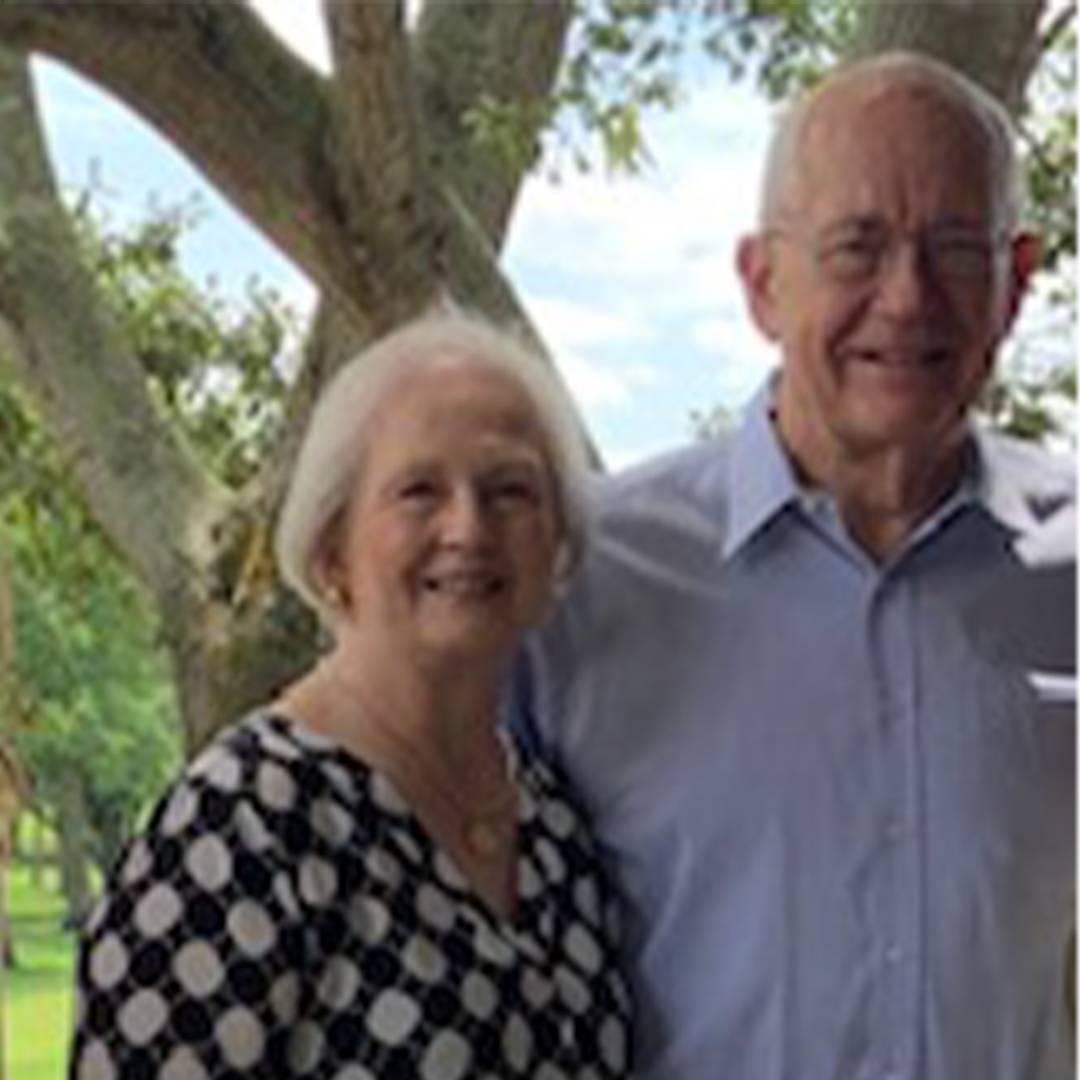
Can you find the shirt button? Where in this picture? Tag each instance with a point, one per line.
(894, 830)
(894, 954)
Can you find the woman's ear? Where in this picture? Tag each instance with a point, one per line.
(328, 569)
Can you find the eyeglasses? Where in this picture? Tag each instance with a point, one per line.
(856, 253)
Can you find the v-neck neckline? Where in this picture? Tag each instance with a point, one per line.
(521, 923)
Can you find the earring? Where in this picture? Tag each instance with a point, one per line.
(336, 594)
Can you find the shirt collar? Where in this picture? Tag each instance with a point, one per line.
(762, 482)
(1008, 482)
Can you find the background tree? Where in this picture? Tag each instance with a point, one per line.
(390, 181)
(86, 700)
(90, 702)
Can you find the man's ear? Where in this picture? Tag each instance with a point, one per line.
(754, 265)
(1025, 255)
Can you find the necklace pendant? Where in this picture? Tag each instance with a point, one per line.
(482, 838)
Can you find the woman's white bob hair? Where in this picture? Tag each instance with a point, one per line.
(325, 474)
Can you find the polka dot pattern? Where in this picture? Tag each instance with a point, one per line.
(198, 969)
(284, 910)
(158, 911)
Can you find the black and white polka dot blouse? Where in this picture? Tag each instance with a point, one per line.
(285, 915)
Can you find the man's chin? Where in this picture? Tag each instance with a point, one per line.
(898, 420)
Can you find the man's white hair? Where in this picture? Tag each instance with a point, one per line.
(887, 71)
(325, 474)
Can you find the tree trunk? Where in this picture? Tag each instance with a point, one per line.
(7, 703)
(7, 639)
(73, 836)
(993, 42)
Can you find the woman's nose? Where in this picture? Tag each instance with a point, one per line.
(463, 520)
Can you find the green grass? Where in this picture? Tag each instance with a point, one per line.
(39, 991)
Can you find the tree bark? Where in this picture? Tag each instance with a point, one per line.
(141, 483)
(994, 43)
(513, 51)
(74, 848)
(215, 82)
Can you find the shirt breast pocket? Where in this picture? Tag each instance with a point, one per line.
(1026, 779)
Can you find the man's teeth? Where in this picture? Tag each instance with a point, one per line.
(927, 358)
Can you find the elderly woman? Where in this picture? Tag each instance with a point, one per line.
(367, 878)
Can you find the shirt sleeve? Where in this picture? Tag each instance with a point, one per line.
(190, 964)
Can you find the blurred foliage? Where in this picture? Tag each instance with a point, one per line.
(216, 367)
(714, 422)
(1035, 408)
(1032, 398)
(626, 58)
(1048, 135)
(92, 700)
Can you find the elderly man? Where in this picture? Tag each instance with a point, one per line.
(799, 681)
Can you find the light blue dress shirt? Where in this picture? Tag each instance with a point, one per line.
(838, 795)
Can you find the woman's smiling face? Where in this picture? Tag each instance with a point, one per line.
(450, 539)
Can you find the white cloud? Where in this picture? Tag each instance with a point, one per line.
(597, 385)
(636, 276)
(568, 323)
(578, 335)
(669, 234)
(740, 356)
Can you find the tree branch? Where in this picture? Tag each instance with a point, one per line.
(375, 143)
(1054, 29)
(216, 82)
(985, 39)
(70, 356)
(513, 52)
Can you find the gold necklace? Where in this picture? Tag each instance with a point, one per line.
(481, 832)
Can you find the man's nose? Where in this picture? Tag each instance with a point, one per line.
(905, 281)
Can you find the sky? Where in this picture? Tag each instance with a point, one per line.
(629, 280)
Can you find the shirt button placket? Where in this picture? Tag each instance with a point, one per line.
(889, 636)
